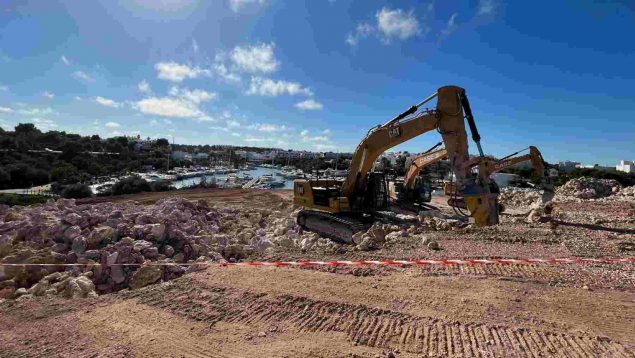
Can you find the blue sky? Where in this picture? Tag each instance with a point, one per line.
(318, 74)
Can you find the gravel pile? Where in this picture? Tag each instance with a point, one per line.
(172, 231)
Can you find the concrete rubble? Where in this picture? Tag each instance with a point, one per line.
(517, 197)
(578, 190)
(588, 188)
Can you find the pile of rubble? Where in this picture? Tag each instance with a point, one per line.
(516, 197)
(120, 236)
(381, 234)
(573, 190)
(588, 188)
(627, 192)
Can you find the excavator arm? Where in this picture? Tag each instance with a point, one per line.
(421, 162)
(537, 162)
(448, 119)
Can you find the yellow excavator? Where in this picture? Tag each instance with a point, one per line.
(492, 166)
(340, 208)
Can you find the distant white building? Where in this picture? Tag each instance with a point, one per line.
(626, 166)
(201, 156)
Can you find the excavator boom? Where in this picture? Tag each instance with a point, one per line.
(421, 162)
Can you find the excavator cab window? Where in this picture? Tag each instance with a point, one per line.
(423, 189)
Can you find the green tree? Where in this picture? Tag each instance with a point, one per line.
(162, 142)
(26, 128)
(65, 173)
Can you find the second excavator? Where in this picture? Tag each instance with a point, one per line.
(493, 166)
(414, 188)
(338, 209)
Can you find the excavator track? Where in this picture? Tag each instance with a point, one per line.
(335, 227)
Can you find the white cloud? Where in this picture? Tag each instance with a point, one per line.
(169, 107)
(361, 31)
(44, 124)
(450, 26)
(107, 102)
(65, 60)
(233, 123)
(390, 24)
(397, 23)
(486, 7)
(144, 87)
(5, 110)
(206, 118)
(195, 96)
(37, 111)
(326, 132)
(267, 87)
(83, 76)
(175, 72)
(256, 58)
(222, 71)
(48, 94)
(112, 125)
(267, 128)
(194, 45)
(218, 128)
(254, 139)
(154, 122)
(4, 88)
(306, 137)
(237, 5)
(309, 105)
(235, 134)
(77, 98)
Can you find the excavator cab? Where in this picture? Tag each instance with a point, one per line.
(422, 189)
(376, 193)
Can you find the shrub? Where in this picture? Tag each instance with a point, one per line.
(130, 185)
(77, 191)
(162, 185)
(19, 199)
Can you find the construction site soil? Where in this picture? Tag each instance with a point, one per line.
(495, 310)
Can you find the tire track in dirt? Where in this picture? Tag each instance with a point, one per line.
(620, 276)
(372, 327)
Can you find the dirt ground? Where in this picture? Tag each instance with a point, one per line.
(441, 311)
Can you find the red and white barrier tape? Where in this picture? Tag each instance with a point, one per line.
(607, 260)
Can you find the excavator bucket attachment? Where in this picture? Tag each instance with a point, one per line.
(484, 208)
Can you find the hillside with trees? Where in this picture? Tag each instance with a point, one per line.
(30, 157)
